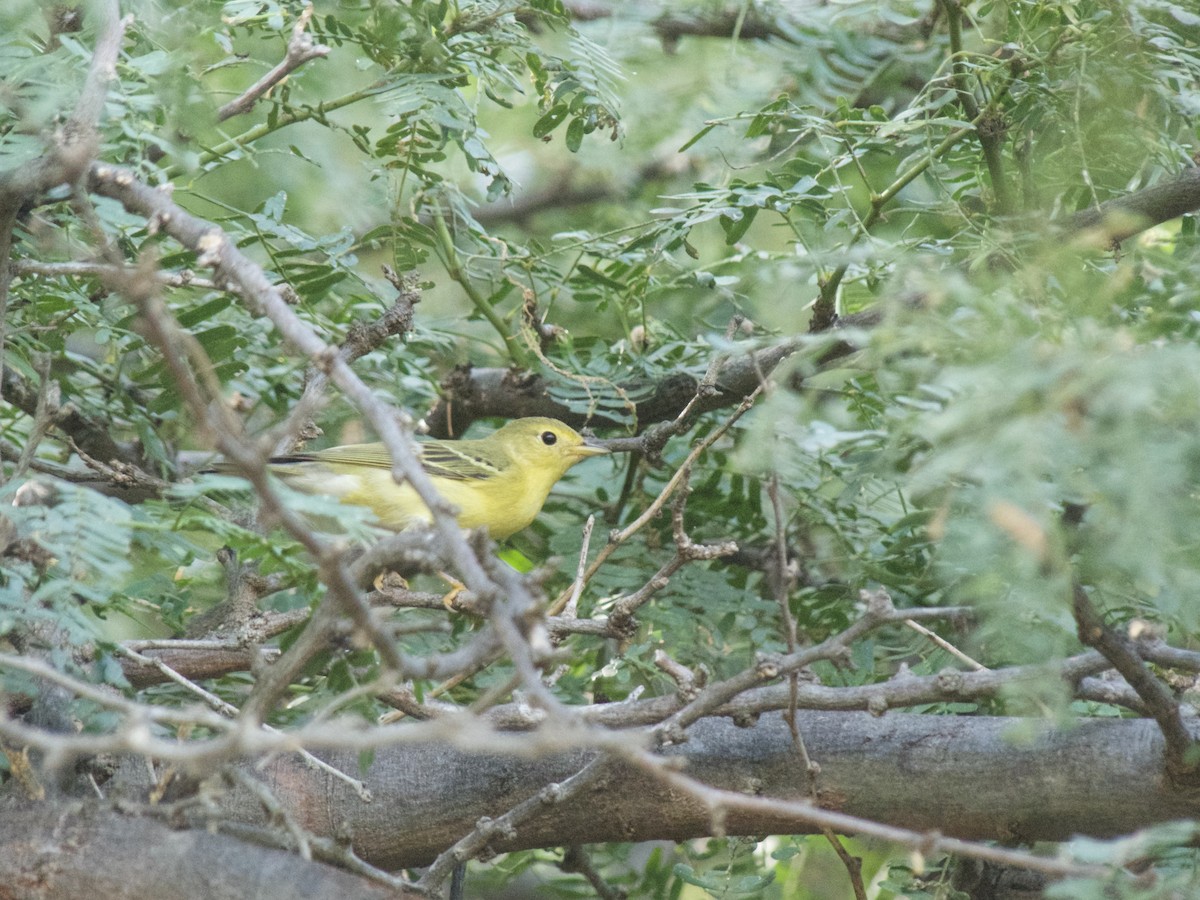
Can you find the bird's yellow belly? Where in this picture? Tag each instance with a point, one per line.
(498, 505)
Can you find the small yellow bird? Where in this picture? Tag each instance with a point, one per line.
(498, 482)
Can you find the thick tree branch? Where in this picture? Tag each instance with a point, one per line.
(1121, 218)
(86, 850)
(961, 776)
(473, 393)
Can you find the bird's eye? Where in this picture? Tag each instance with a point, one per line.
(549, 438)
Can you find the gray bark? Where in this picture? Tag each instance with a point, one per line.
(77, 850)
(970, 777)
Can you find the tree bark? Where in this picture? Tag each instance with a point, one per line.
(970, 777)
(1123, 217)
(73, 850)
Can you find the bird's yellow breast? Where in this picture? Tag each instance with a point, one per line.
(503, 504)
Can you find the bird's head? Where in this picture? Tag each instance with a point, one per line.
(545, 443)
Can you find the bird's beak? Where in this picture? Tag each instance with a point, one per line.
(590, 447)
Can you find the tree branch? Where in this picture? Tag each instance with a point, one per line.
(91, 434)
(300, 49)
(1182, 756)
(74, 145)
(511, 599)
(96, 852)
(1121, 218)
(960, 776)
(473, 393)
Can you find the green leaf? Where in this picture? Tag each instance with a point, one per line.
(551, 120)
(736, 223)
(575, 135)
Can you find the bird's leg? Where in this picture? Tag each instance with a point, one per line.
(456, 588)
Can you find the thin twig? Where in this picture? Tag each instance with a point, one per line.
(572, 606)
(276, 810)
(228, 709)
(488, 829)
(852, 864)
(789, 625)
(945, 645)
(180, 279)
(577, 860)
(42, 417)
(618, 538)
(300, 49)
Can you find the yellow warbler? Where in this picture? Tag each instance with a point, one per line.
(498, 482)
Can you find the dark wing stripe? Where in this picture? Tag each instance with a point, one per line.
(455, 465)
(441, 460)
(344, 456)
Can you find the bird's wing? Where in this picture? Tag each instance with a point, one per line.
(458, 461)
(371, 456)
